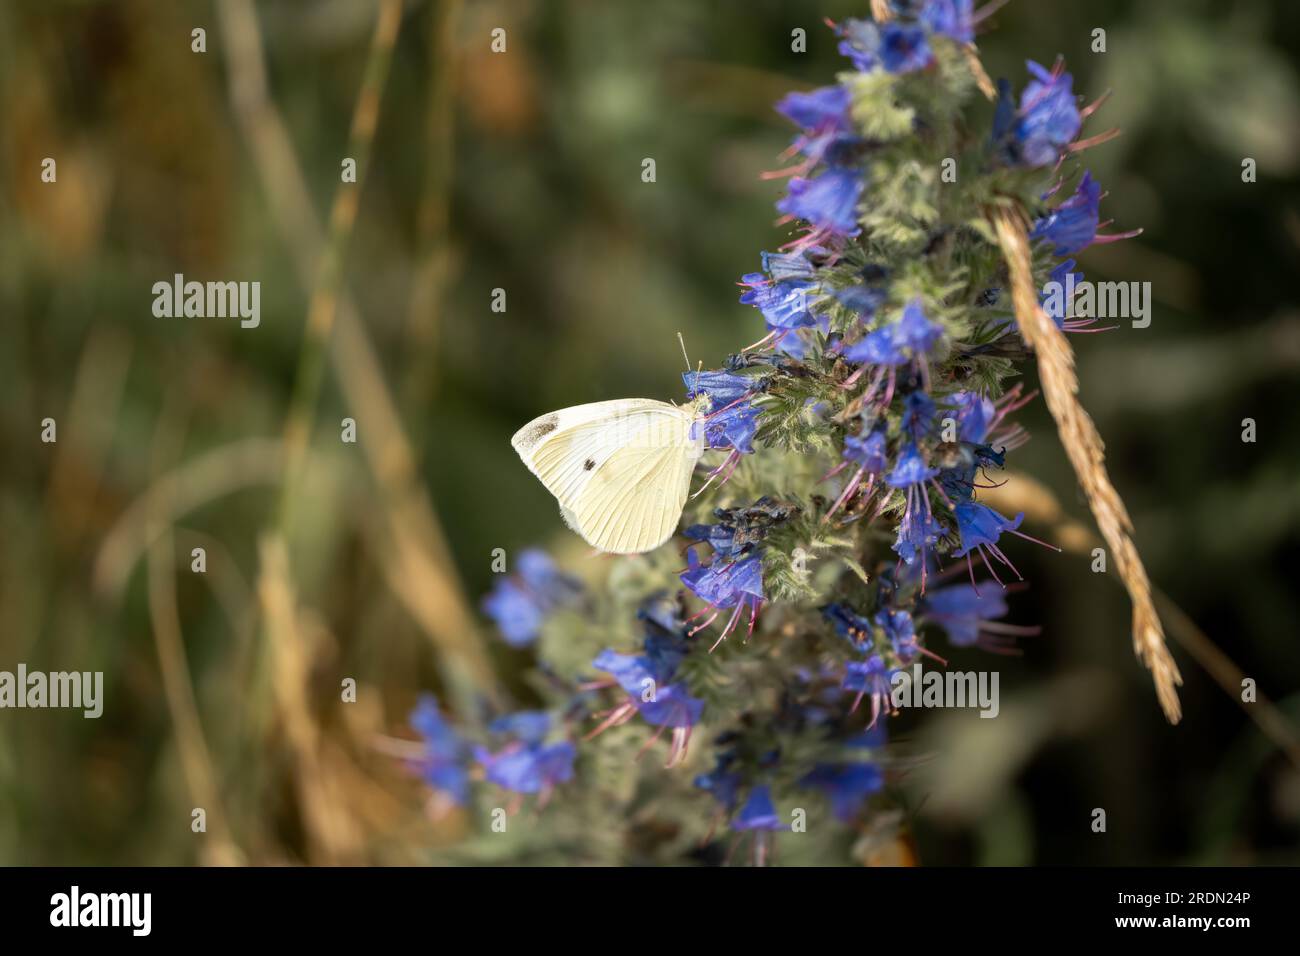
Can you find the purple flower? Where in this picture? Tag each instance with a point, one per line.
(975, 414)
(822, 109)
(828, 201)
(870, 678)
(731, 422)
(917, 532)
(646, 682)
(901, 632)
(981, 526)
(917, 529)
(736, 583)
(889, 345)
(1072, 225)
(732, 428)
(894, 46)
(520, 603)
(862, 299)
(784, 304)
(758, 813)
(953, 18)
(526, 764)
(646, 679)
(724, 584)
(962, 610)
(869, 452)
(723, 388)
(823, 115)
(529, 769)
(722, 782)
(846, 786)
(850, 625)
(918, 415)
(904, 48)
(879, 347)
(443, 765)
(910, 469)
(914, 331)
(782, 266)
(1047, 121)
(529, 726)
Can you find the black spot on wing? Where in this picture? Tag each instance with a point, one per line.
(588, 465)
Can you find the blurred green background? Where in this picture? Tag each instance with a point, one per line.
(522, 171)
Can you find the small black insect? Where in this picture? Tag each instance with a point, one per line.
(588, 465)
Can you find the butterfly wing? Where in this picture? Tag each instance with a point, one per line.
(621, 470)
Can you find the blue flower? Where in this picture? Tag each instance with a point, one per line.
(530, 726)
(724, 584)
(917, 529)
(870, 678)
(975, 414)
(758, 813)
(646, 679)
(914, 331)
(783, 299)
(520, 603)
(917, 532)
(889, 345)
(784, 304)
(820, 110)
(731, 422)
(896, 47)
(517, 612)
(862, 299)
(869, 452)
(720, 537)
(901, 632)
(1058, 305)
(722, 782)
(849, 624)
(443, 765)
(1072, 225)
(782, 266)
(962, 611)
(732, 427)
(879, 347)
(529, 768)
(953, 18)
(910, 469)
(828, 201)
(904, 48)
(1047, 121)
(846, 786)
(823, 116)
(981, 526)
(723, 388)
(918, 415)
(646, 682)
(526, 764)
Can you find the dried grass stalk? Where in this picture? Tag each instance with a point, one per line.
(1084, 447)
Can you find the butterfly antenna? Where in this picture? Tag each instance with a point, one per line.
(684, 355)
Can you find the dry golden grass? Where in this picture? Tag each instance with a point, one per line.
(1086, 452)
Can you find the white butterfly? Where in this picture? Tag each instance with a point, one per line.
(621, 470)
